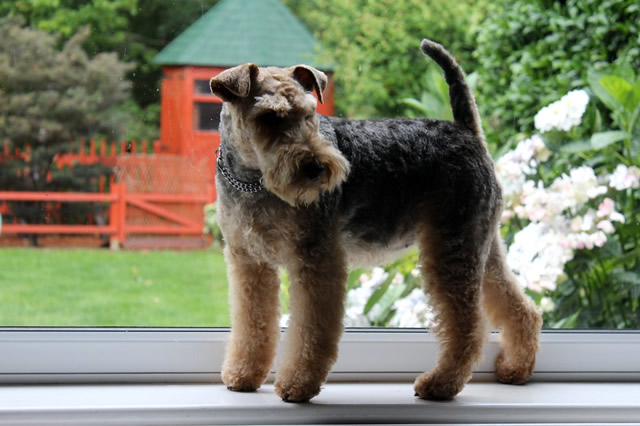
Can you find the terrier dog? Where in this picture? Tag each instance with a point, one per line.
(315, 194)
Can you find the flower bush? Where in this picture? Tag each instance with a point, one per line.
(571, 219)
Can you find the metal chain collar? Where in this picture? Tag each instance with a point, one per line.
(237, 184)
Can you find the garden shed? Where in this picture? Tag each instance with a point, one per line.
(232, 32)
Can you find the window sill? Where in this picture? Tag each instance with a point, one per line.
(182, 404)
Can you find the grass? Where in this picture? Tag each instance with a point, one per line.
(59, 287)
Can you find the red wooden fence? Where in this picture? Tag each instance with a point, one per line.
(96, 152)
(154, 195)
(117, 228)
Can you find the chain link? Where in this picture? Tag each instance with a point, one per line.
(237, 184)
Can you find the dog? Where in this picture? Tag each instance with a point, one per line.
(316, 194)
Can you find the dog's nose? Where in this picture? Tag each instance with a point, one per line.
(312, 170)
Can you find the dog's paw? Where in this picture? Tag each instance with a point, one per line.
(514, 372)
(438, 387)
(238, 382)
(295, 389)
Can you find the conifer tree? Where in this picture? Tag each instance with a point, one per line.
(52, 95)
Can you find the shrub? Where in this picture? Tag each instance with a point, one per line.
(530, 53)
(374, 46)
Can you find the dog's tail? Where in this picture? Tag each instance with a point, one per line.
(463, 104)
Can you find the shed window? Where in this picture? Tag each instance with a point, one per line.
(206, 116)
(201, 87)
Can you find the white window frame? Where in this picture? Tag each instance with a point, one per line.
(108, 355)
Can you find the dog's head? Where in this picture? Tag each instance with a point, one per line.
(270, 117)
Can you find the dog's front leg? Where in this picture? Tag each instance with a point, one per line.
(317, 308)
(255, 314)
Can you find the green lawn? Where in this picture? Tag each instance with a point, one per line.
(58, 287)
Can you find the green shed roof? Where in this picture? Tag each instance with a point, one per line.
(234, 32)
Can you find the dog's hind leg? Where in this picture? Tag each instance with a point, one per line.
(255, 312)
(317, 292)
(509, 308)
(452, 267)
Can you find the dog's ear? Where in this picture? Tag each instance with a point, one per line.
(310, 79)
(234, 83)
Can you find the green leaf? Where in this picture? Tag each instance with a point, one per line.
(635, 98)
(378, 292)
(577, 147)
(625, 70)
(393, 293)
(594, 78)
(415, 104)
(636, 111)
(567, 322)
(354, 278)
(627, 277)
(603, 139)
(617, 87)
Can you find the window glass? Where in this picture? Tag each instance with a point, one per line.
(202, 87)
(206, 115)
(107, 149)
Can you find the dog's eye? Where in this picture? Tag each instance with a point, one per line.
(308, 117)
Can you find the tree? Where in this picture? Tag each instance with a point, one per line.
(374, 46)
(134, 29)
(49, 97)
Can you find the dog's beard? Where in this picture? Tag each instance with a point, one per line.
(284, 177)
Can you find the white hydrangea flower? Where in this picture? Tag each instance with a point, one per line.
(606, 226)
(607, 209)
(547, 304)
(585, 240)
(511, 177)
(585, 184)
(357, 298)
(355, 318)
(562, 114)
(537, 256)
(412, 311)
(514, 166)
(577, 188)
(624, 177)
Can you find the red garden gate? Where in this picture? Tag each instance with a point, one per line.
(156, 201)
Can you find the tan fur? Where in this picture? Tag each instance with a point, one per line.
(460, 326)
(255, 311)
(315, 326)
(283, 164)
(512, 311)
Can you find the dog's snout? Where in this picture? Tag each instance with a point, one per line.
(312, 170)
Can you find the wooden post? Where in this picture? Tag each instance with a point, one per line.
(122, 212)
(113, 216)
(92, 151)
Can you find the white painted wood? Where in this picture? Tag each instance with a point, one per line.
(186, 404)
(179, 355)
